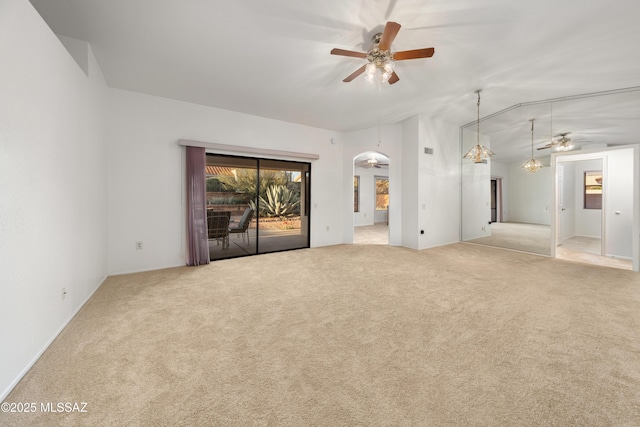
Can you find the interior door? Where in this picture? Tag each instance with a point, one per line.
(494, 200)
(562, 199)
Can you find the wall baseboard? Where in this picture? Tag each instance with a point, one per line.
(122, 273)
(584, 235)
(21, 375)
(626, 258)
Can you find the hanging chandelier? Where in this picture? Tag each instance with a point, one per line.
(478, 153)
(532, 165)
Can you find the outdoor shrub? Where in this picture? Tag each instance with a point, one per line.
(279, 201)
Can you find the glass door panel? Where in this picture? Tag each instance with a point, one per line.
(232, 184)
(283, 216)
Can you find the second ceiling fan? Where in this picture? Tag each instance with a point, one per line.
(561, 144)
(380, 56)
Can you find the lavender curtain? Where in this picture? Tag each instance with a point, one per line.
(197, 241)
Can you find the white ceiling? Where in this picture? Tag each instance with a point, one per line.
(594, 121)
(271, 57)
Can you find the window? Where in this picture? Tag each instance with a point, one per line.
(356, 193)
(382, 194)
(593, 190)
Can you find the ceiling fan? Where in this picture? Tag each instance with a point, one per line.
(380, 56)
(561, 144)
(372, 163)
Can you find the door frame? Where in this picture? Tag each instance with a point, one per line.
(594, 155)
(555, 220)
(498, 180)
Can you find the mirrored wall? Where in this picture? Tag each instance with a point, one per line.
(503, 204)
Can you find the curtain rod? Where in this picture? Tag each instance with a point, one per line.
(250, 150)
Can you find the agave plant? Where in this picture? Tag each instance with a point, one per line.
(279, 201)
(245, 182)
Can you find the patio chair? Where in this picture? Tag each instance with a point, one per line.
(218, 226)
(242, 226)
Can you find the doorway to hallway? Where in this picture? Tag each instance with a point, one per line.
(371, 198)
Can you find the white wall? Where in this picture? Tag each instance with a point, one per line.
(146, 173)
(424, 189)
(529, 195)
(439, 180)
(619, 203)
(388, 141)
(476, 190)
(410, 183)
(52, 187)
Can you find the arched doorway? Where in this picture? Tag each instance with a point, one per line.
(371, 198)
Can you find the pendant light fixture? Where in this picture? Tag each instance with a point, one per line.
(478, 153)
(532, 165)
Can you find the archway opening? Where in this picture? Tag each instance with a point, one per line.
(371, 198)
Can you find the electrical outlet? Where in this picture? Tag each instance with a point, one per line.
(63, 294)
(139, 246)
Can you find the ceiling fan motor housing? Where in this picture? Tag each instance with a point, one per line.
(377, 56)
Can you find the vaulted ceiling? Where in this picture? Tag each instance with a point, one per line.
(271, 57)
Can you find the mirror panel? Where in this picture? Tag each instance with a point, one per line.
(504, 205)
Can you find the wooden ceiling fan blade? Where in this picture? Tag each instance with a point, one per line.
(394, 78)
(355, 74)
(544, 148)
(414, 54)
(388, 35)
(351, 53)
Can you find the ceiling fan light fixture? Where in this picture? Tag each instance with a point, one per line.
(566, 145)
(387, 71)
(380, 56)
(478, 153)
(370, 69)
(370, 72)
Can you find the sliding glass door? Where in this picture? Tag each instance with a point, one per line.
(283, 221)
(266, 202)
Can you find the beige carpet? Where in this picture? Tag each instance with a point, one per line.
(587, 250)
(351, 335)
(535, 238)
(376, 234)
